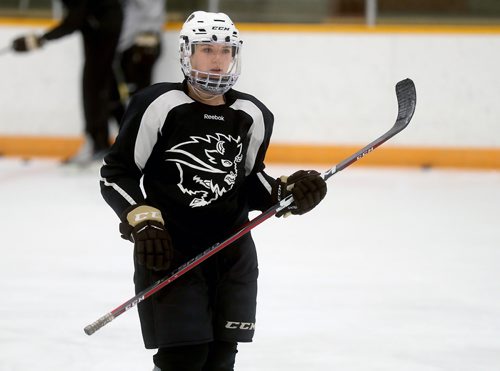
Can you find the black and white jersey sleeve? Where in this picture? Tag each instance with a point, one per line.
(123, 167)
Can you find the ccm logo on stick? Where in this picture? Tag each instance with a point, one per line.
(240, 325)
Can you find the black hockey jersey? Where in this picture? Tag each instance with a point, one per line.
(201, 165)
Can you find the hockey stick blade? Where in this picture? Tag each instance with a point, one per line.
(406, 96)
(407, 100)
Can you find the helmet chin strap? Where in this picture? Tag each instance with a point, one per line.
(204, 96)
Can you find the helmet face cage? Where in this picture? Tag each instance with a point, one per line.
(213, 29)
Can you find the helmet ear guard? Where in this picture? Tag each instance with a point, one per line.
(213, 28)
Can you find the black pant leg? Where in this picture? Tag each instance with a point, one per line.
(221, 356)
(214, 356)
(182, 358)
(97, 79)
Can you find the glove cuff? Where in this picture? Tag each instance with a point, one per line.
(137, 217)
(286, 185)
(143, 213)
(33, 42)
(280, 188)
(280, 191)
(147, 40)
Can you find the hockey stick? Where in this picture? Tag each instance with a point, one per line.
(406, 96)
(121, 83)
(407, 99)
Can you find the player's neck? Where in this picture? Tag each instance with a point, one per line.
(205, 98)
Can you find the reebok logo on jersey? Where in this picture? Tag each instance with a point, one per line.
(206, 116)
(240, 325)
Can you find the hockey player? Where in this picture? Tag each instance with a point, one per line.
(99, 22)
(139, 48)
(140, 41)
(198, 147)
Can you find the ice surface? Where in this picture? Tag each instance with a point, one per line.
(397, 270)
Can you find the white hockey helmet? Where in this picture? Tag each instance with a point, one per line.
(212, 28)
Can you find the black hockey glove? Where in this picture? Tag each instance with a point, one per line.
(307, 187)
(27, 43)
(144, 226)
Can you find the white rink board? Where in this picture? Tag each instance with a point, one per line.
(325, 88)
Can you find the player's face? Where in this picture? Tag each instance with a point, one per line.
(212, 58)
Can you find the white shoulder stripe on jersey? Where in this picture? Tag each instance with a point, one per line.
(152, 123)
(256, 132)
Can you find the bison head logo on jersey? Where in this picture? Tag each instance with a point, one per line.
(207, 166)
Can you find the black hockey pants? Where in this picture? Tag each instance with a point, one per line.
(214, 301)
(214, 356)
